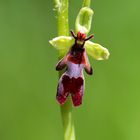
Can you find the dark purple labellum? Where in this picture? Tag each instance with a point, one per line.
(72, 81)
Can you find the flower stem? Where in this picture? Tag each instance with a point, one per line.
(63, 29)
(86, 3)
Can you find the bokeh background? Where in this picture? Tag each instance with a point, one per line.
(28, 80)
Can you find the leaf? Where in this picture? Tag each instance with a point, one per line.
(62, 43)
(96, 51)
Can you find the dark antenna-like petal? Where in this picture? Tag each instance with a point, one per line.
(88, 38)
(73, 34)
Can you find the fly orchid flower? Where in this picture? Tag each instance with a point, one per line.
(75, 50)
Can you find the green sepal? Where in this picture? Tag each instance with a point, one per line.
(96, 51)
(84, 19)
(62, 43)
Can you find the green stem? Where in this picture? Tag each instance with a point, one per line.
(86, 3)
(63, 29)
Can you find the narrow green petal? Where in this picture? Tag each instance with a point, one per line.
(96, 51)
(62, 43)
(84, 19)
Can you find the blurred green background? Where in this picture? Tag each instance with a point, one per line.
(28, 80)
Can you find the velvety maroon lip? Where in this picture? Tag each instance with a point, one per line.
(78, 57)
(71, 86)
